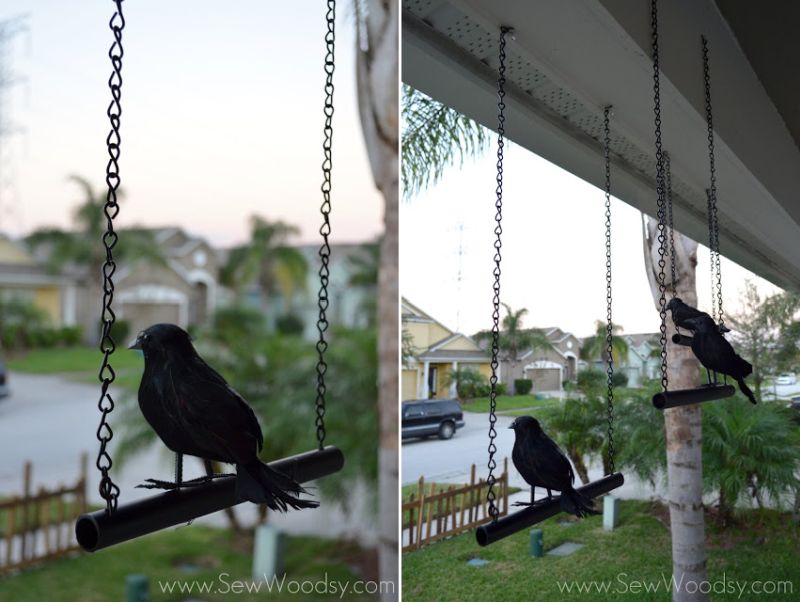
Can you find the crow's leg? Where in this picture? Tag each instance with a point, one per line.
(158, 484)
(178, 469)
(210, 475)
(708, 377)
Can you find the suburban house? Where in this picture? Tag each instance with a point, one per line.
(25, 279)
(352, 306)
(435, 351)
(642, 361)
(184, 291)
(548, 369)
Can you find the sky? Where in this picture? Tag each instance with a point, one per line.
(553, 253)
(222, 117)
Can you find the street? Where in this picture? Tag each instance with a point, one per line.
(50, 420)
(450, 461)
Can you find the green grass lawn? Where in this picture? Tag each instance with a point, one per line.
(100, 577)
(764, 546)
(74, 359)
(510, 402)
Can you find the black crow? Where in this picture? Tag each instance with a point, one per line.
(717, 354)
(682, 313)
(195, 412)
(542, 464)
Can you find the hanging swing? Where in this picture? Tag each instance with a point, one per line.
(188, 500)
(712, 390)
(536, 512)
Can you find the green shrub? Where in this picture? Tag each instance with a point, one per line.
(290, 324)
(502, 388)
(21, 323)
(523, 386)
(70, 335)
(237, 323)
(619, 379)
(120, 331)
(591, 381)
(467, 381)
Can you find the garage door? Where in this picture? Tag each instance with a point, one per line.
(545, 379)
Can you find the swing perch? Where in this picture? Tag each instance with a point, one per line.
(98, 530)
(116, 524)
(500, 528)
(712, 391)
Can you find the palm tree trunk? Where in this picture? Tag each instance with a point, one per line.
(684, 434)
(377, 73)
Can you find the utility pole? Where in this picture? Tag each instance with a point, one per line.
(9, 29)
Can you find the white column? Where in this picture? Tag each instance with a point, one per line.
(69, 305)
(454, 368)
(425, 374)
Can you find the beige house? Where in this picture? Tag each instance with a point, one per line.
(435, 352)
(23, 278)
(183, 292)
(547, 369)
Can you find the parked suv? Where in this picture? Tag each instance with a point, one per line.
(4, 391)
(424, 417)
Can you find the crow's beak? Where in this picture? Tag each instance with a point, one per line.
(511, 426)
(135, 344)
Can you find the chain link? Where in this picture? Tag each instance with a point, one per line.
(609, 323)
(109, 491)
(713, 220)
(491, 498)
(662, 301)
(670, 223)
(325, 229)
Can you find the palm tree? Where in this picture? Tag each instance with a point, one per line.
(683, 425)
(376, 86)
(514, 339)
(268, 261)
(595, 345)
(434, 137)
(83, 248)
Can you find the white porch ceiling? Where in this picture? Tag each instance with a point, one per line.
(571, 58)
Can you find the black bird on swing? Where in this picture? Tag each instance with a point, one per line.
(682, 313)
(542, 464)
(717, 354)
(195, 412)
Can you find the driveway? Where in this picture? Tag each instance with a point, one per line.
(50, 420)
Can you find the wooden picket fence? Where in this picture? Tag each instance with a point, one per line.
(430, 516)
(40, 525)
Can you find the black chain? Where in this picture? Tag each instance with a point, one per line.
(494, 512)
(670, 224)
(711, 254)
(609, 323)
(662, 301)
(325, 229)
(108, 490)
(712, 191)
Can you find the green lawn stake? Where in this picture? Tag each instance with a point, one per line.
(610, 512)
(136, 589)
(537, 543)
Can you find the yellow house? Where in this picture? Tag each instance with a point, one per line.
(433, 351)
(21, 277)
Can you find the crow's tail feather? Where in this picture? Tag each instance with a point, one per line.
(258, 483)
(573, 502)
(746, 390)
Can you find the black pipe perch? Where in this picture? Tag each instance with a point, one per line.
(542, 510)
(685, 397)
(97, 530)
